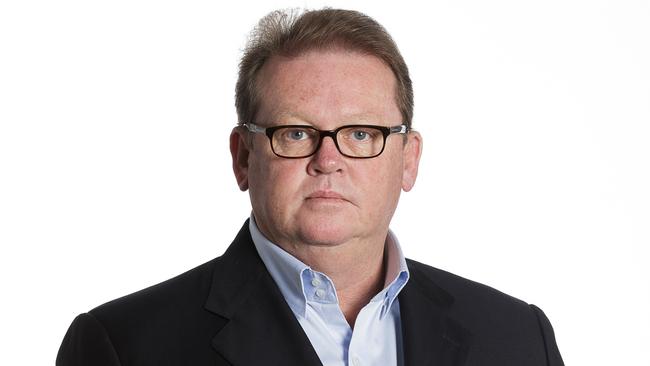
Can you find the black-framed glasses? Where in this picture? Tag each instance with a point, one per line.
(353, 141)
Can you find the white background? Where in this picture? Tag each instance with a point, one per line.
(115, 172)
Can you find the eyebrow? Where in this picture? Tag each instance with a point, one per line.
(282, 117)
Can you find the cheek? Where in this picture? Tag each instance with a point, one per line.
(381, 184)
(274, 183)
(391, 168)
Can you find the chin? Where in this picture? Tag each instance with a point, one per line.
(328, 231)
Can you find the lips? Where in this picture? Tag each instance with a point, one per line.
(331, 195)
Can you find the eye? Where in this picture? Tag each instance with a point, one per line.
(360, 135)
(296, 134)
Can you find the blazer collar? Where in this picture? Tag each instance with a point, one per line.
(430, 336)
(260, 327)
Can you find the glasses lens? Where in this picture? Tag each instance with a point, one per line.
(360, 141)
(294, 141)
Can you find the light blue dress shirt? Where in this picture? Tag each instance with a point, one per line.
(376, 338)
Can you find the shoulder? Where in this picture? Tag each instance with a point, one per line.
(186, 289)
(176, 308)
(502, 327)
(163, 324)
(461, 289)
(482, 308)
(170, 315)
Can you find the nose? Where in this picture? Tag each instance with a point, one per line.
(327, 159)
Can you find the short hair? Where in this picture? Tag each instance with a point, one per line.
(291, 33)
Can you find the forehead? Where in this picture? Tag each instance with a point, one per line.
(327, 87)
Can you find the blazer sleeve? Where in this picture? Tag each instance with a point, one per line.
(86, 343)
(553, 357)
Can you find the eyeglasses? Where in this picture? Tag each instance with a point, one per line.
(353, 141)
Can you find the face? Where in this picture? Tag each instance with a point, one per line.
(325, 199)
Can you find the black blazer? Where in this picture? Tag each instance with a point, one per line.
(229, 311)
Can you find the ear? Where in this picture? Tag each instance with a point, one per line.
(412, 152)
(239, 150)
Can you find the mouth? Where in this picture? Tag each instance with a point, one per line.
(326, 196)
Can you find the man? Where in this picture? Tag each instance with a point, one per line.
(324, 146)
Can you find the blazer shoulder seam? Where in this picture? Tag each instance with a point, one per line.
(108, 336)
(537, 311)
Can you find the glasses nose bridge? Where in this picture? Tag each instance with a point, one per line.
(321, 136)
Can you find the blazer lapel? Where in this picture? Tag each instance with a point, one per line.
(430, 336)
(261, 328)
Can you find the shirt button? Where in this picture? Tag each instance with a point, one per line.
(315, 282)
(356, 361)
(320, 293)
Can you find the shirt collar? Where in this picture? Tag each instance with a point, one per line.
(397, 273)
(294, 277)
(285, 269)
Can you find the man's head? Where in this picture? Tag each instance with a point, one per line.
(290, 33)
(324, 69)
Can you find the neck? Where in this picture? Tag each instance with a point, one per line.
(356, 268)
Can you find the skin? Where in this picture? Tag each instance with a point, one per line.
(329, 211)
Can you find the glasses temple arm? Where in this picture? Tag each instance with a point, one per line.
(399, 129)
